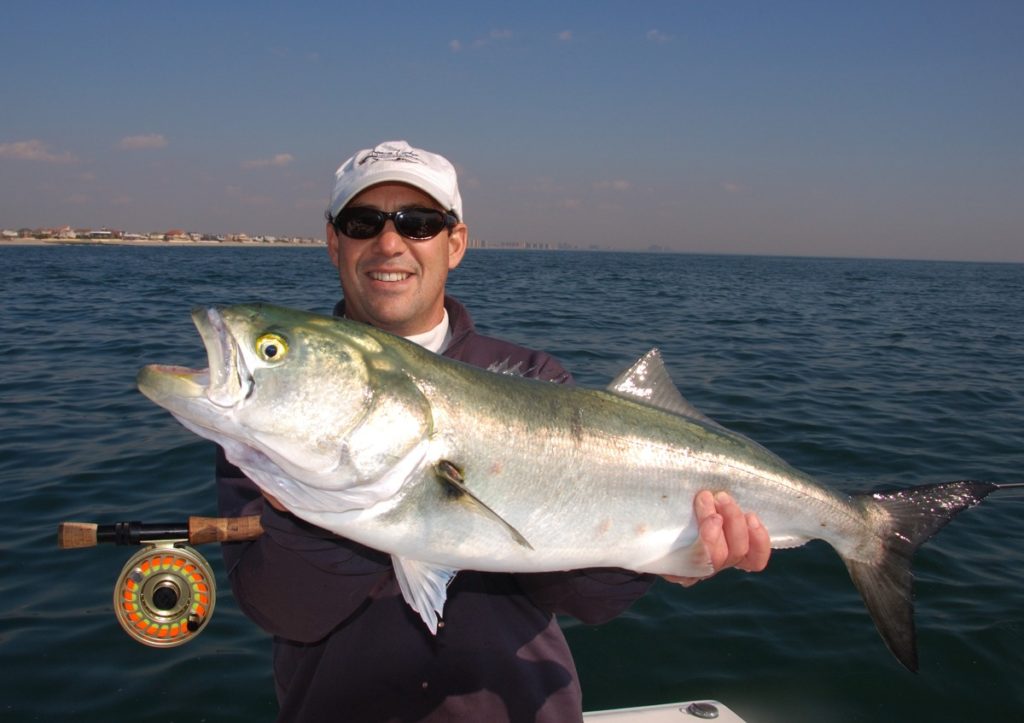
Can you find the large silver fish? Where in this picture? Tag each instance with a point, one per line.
(448, 467)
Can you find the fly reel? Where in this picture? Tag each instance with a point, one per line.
(166, 591)
(165, 595)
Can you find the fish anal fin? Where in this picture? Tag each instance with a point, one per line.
(787, 542)
(424, 586)
(455, 484)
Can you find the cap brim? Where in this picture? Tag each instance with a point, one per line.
(392, 176)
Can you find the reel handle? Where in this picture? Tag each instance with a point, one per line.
(197, 531)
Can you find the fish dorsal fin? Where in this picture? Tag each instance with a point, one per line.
(450, 476)
(424, 586)
(648, 381)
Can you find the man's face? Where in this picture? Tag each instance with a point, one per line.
(394, 283)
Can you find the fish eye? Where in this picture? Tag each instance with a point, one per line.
(271, 347)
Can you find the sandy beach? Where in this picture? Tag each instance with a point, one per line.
(149, 242)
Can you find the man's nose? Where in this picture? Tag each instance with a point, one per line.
(389, 241)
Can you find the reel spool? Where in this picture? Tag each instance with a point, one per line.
(164, 595)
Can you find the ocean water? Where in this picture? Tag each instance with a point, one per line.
(864, 373)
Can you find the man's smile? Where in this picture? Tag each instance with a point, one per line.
(389, 275)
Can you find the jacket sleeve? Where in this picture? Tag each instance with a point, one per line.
(296, 580)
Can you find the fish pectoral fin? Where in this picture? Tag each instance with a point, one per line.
(455, 484)
(690, 561)
(424, 586)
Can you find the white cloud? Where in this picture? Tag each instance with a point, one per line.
(565, 35)
(656, 36)
(278, 160)
(142, 142)
(455, 46)
(732, 187)
(33, 150)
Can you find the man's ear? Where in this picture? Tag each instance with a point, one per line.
(332, 245)
(458, 240)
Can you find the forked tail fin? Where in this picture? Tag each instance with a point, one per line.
(909, 517)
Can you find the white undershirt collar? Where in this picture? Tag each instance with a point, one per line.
(436, 339)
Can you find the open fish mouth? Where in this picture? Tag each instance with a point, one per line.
(225, 383)
(229, 380)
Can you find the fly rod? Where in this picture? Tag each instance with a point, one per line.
(196, 531)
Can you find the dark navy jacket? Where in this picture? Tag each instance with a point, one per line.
(348, 648)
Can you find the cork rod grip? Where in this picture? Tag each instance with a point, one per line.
(223, 529)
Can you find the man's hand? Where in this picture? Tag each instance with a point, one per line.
(273, 502)
(731, 538)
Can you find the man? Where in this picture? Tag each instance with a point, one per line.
(346, 645)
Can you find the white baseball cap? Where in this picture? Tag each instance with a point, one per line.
(397, 161)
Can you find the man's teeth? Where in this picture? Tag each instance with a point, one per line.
(389, 275)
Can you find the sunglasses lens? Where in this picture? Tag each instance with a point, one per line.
(363, 222)
(360, 223)
(420, 223)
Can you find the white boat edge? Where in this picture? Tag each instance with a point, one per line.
(689, 711)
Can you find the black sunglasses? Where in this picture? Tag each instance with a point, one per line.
(418, 224)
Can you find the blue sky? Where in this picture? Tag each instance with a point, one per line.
(884, 129)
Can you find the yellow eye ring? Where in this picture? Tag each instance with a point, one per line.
(271, 347)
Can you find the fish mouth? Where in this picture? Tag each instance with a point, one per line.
(229, 379)
(225, 383)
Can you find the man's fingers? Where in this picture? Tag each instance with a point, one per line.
(731, 538)
(703, 505)
(713, 537)
(274, 502)
(736, 539)
(760, 546)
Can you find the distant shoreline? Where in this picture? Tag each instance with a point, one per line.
(246, 244)
(148, 242)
